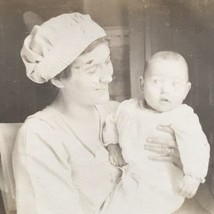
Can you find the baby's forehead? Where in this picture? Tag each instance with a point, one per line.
(156, 63)
(169, 60)
(162, 66)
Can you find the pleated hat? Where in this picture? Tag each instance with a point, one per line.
(55, 44)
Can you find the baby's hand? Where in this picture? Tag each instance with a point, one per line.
(115, 155)
(188, 187)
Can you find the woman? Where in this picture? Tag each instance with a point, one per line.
(60, 164)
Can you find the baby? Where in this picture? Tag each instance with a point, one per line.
(147, 186)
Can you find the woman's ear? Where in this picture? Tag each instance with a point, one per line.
(141, 83)
(58, 83)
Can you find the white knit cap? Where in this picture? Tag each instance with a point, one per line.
(54, 45)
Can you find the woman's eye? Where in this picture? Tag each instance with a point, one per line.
(156, 81)
(91, 69)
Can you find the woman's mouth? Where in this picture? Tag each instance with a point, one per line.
(101, 89)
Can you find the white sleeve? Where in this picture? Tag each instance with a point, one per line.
(110, 131)
(116, 122)
(193, 145)
(43, 176)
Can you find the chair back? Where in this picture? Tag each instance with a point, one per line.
(8, 132)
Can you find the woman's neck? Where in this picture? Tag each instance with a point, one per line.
(73, 110)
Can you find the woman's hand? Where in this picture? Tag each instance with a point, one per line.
(164, 148)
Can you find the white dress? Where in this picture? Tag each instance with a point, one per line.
(55, 172)
(147, 186)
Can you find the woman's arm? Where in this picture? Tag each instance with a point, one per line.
(164, 148)
(42, 173)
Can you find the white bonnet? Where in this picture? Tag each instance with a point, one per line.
(54, 45)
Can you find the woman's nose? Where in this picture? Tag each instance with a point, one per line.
(106, 74)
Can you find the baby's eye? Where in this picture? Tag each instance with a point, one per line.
(175, 83)
(108, 60)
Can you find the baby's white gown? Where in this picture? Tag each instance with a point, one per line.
(146, 186)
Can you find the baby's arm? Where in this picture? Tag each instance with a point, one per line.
(194, 152)
(111, 141)
(188, 186)
(115, 155)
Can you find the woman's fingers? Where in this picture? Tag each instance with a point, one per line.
(166, 129)
(163, 153)
(162, 141)
(167, 140)
(160, 158)
(164, 147)
(159, 149)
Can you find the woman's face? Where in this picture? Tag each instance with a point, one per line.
(91, 74)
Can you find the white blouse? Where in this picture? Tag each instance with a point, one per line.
(55, 171)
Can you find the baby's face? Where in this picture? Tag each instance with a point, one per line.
(165, 84)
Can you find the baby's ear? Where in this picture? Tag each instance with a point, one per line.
(188, 87)
(58, 83)
(141, 82)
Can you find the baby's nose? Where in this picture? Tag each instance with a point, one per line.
(166, 88)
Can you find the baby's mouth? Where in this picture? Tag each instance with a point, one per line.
(164, 100)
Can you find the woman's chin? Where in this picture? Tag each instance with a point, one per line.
(102, 99)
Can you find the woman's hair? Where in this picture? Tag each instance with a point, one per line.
(67, 72)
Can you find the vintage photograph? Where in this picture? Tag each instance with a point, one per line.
(107, 107)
